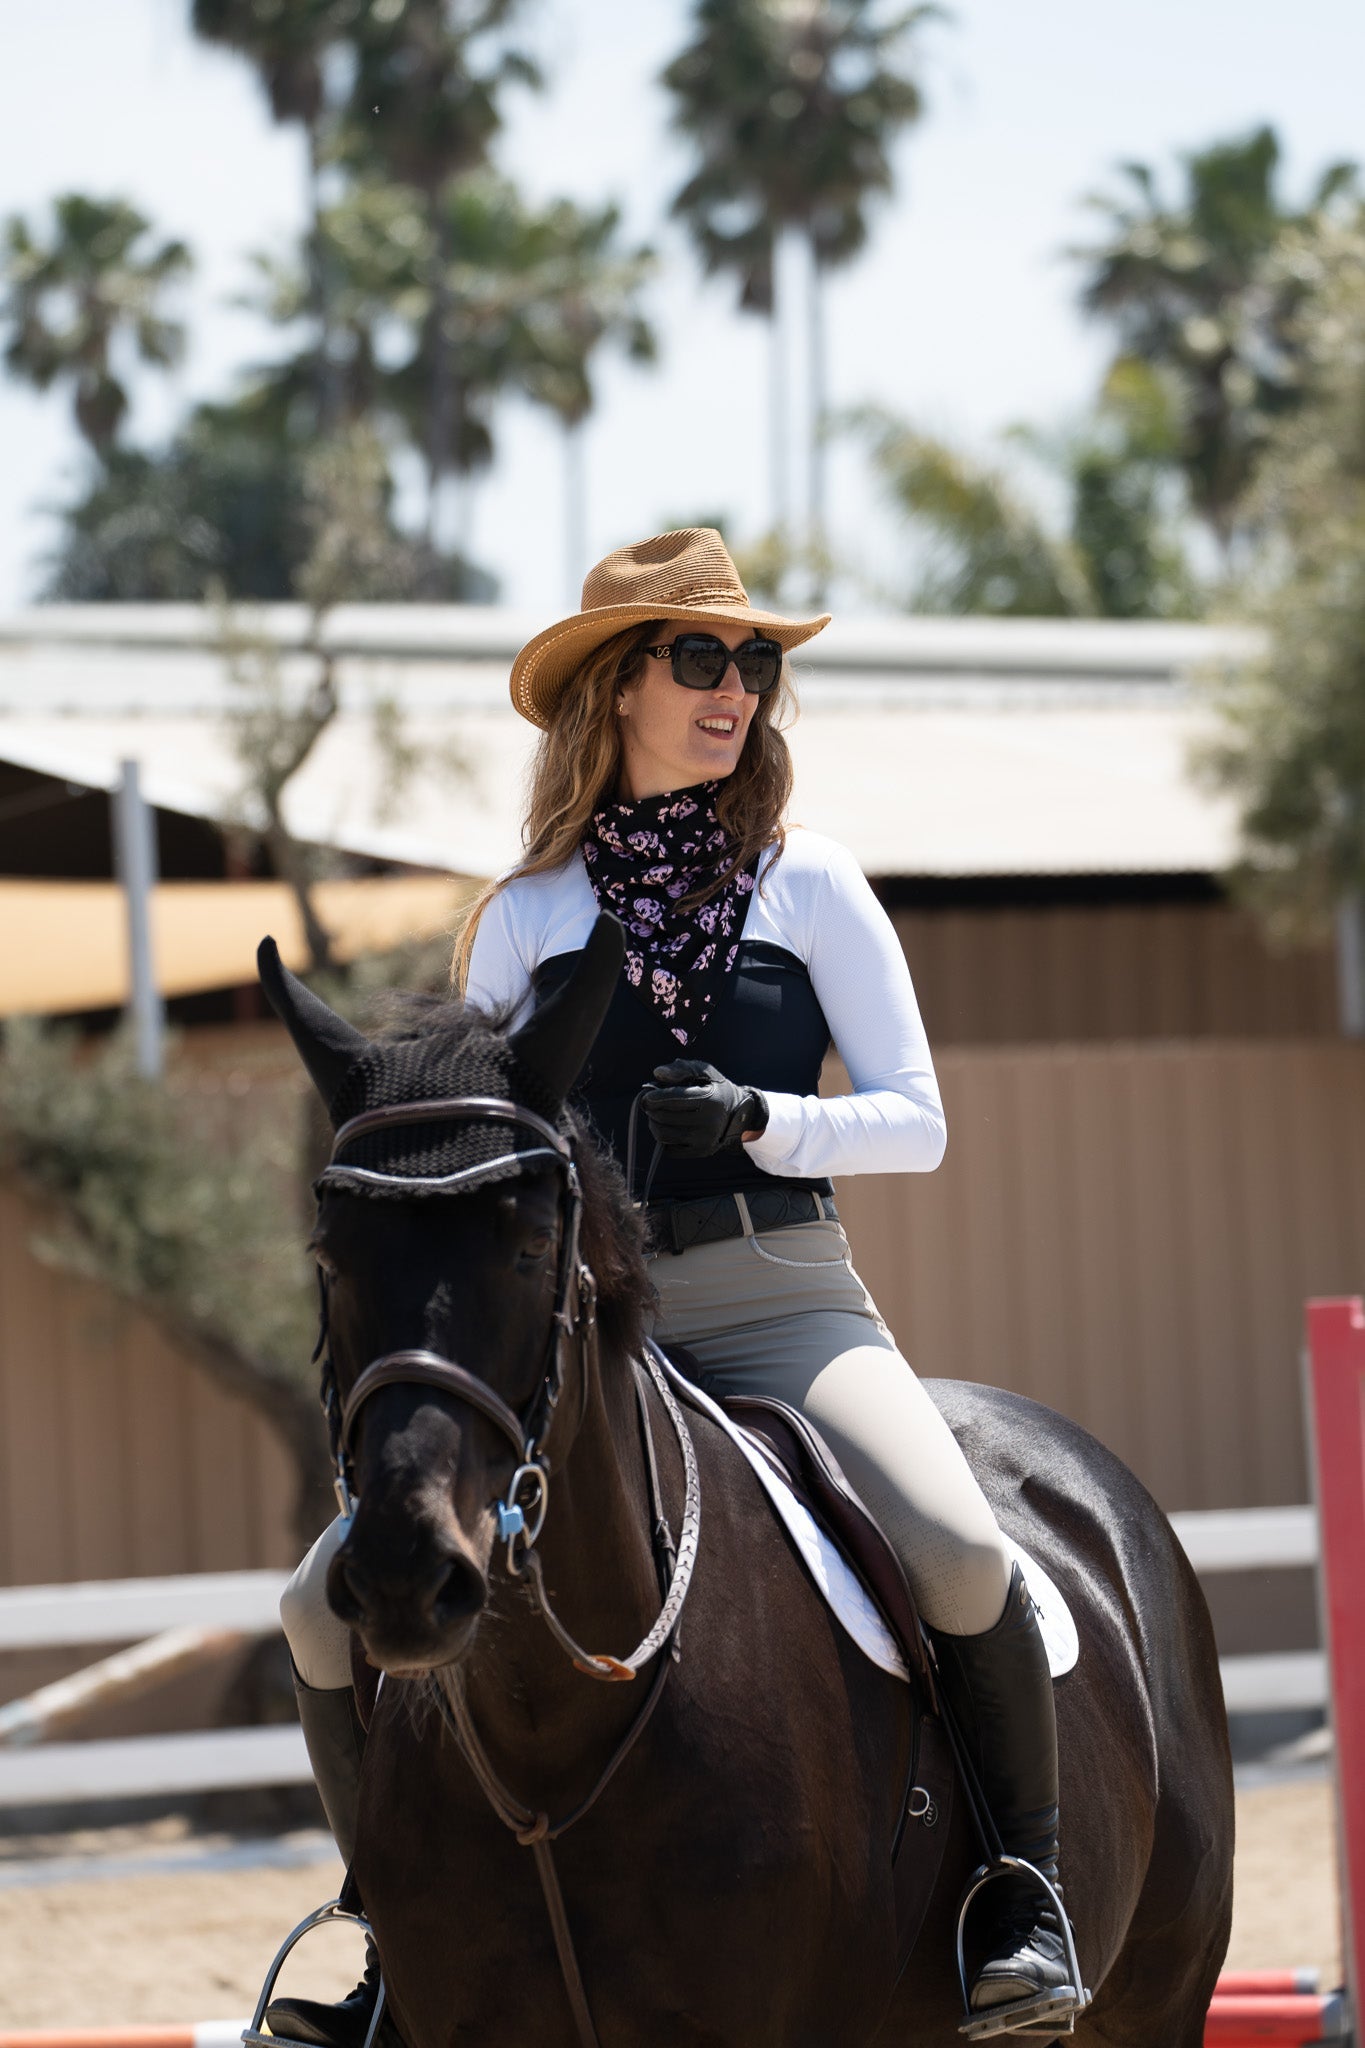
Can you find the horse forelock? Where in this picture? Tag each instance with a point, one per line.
(428, 1047)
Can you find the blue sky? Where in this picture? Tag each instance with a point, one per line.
(961, 314)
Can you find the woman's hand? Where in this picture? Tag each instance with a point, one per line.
(695, 1111)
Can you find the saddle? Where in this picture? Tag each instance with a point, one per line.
(803, 1461)
(801, 1457)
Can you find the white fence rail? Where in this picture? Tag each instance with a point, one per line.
(1247, 1539)
(125, 1610)
(153, 1765)
(128, 1610)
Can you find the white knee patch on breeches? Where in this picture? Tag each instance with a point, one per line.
(319, 1642)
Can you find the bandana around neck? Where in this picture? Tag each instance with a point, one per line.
(642, 860)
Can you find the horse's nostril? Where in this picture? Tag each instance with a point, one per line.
(462, 1592)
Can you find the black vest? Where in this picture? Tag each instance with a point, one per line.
(766, 1030)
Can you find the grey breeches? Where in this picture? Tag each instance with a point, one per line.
(785, 1314)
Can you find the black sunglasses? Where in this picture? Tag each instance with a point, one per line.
(700, 661)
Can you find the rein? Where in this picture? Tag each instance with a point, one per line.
(573, 1331)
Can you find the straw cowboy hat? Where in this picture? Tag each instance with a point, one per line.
(683, 575)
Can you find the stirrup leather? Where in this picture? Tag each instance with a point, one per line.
(1049, 2013)
(333, 1911)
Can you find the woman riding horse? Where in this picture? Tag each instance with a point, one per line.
(659, 793)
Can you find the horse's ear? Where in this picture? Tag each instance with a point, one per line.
(556, 1039)
(327, 1044)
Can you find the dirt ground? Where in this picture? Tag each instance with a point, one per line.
(179, 1946)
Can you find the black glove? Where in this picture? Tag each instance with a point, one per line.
(696, 1111)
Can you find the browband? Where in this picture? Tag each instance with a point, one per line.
(484, 1108)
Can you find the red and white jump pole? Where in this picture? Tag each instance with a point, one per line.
(1336, 1395)
(1274, 2005)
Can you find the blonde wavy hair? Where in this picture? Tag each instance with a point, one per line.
(578, 763)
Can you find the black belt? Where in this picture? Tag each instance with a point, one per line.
(676, 1226)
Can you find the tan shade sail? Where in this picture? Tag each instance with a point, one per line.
(64, 945)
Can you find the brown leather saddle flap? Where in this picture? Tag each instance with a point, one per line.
(801, 1456)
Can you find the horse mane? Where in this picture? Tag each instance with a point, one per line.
(613, 1231)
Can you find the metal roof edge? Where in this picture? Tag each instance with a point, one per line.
(1123, 648)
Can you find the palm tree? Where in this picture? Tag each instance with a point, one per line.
(288, 42)
(1185, 285)
(582, 293)
(793, 106)
(424, 108)
(374, 242)
(86, 294)
(531, 295)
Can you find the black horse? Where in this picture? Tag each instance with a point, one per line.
(729, 1883)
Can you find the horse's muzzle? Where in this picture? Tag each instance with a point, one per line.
(414, 1617)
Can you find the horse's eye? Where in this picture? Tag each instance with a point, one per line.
(537, 1246)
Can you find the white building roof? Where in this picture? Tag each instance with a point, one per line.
(931, 747)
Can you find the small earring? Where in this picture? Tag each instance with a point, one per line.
(620, 703)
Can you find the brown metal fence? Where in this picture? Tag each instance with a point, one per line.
(119, 1457)
(1128, 1233)
(1065, 973)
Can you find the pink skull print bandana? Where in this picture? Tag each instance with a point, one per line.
(643, 859)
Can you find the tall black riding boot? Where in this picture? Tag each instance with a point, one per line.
(335, 1738)
(999, 1690)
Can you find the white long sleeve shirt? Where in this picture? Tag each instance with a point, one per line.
(815, 902)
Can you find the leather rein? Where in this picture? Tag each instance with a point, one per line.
(522, 1510)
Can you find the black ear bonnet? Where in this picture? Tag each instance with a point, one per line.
(534, 1068)
(424, 1069)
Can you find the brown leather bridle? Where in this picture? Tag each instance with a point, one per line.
(573, 1323)
(573, 1329)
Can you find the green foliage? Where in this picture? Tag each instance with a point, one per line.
(288, 41)
(1120, 472)
(162, 1195)
(425, 107)
(1188, 287)
(1292, 749)
(425, 98)
(531, 295)
(985, 546)
(792, 107)
(85, 296)
(225, 507)
(222, 504)
(985, 549)
(769, 565)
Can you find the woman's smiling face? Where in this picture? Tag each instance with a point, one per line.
(673, 737)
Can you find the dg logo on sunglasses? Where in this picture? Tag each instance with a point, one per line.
(700, 660)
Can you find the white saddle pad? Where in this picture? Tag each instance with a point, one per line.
(843, 1591)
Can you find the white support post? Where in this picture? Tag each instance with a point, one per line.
(135, 863)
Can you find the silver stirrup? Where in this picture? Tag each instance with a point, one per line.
(1049, 2014)
(333, 1910)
